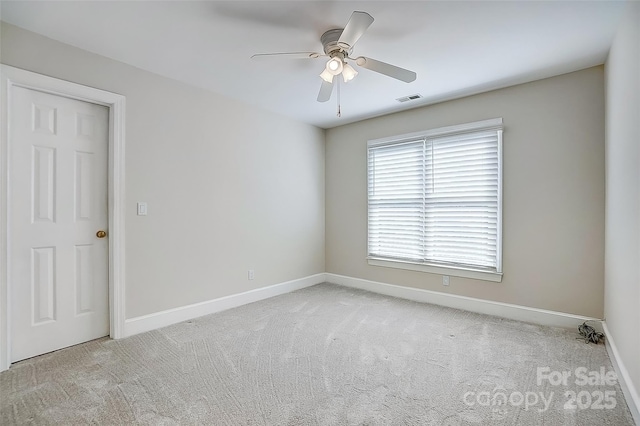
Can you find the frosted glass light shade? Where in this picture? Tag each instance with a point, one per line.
(348, 73)
(326, 76)
(334, 66)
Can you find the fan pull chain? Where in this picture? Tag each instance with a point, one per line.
(338, 97)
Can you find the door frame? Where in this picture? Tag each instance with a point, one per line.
(11, 77)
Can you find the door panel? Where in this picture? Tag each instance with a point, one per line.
(57, 202)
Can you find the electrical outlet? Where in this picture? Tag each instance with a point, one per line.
(445, 280)
(250, 274)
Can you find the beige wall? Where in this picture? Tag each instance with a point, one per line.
(622, 246)
(229, 186)
(553, 193)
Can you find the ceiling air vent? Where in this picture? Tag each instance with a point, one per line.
(409, 98)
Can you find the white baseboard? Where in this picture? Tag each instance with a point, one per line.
(628, 388)
(505, 310)
(173, 316)
(521, 313)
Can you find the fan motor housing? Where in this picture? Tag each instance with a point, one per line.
(329, 42)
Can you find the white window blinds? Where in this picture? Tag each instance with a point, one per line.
(435, 198)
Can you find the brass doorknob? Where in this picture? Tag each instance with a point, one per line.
(101, 234)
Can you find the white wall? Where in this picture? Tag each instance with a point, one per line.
(553, 193)
(622, 243)
(229, 186)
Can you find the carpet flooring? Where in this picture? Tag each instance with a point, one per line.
(324, 355)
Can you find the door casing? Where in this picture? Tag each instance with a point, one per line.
(15, 77)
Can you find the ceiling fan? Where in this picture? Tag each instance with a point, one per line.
(338, 45)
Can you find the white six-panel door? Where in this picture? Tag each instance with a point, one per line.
(57, 204)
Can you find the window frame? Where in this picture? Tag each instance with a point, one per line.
(465, 271)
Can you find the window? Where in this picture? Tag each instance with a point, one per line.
(435, 200)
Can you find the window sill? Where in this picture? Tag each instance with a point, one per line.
(439, 269)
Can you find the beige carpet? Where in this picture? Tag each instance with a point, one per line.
(325, 355)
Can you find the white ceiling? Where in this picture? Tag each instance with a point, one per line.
(456, 48)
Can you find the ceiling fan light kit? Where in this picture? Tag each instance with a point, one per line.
(336, 66)
(337, 45)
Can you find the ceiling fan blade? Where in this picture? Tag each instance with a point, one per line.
(288, 55)
(357, 25)
(386, 69)
(325, 91)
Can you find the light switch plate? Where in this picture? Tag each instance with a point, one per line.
(142, 209)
